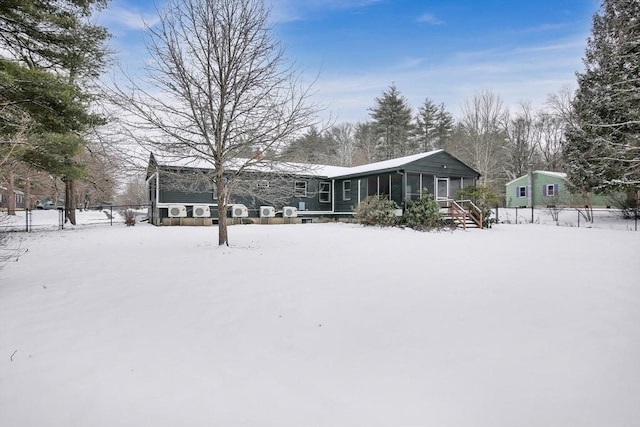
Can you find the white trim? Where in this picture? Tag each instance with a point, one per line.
(320, 192)
(344, 190)
(553, 190)
(295, 188)
(437, 188)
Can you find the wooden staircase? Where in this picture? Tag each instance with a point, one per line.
(463, 213)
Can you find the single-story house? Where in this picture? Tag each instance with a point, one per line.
(545, 188)
(182, 191)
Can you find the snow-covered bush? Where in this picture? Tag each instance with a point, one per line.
(423, 214)
(376, 210)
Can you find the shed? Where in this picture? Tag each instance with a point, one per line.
(546, 188)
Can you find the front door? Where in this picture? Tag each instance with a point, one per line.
(442, 188)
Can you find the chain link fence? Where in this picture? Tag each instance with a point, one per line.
(54, 219)
(567, 217)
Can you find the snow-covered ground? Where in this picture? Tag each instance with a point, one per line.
(321, 325)
(566, 217)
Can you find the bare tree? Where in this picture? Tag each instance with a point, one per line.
(343, 135)
(549, 138)
(484, 136)
(521, 148)
(365, 144)
(134, 194)
(218, 87)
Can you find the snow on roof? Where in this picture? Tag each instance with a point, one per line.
(560, 175)
(257, 166)
(169, 160)
(556, 174)
(385, 164)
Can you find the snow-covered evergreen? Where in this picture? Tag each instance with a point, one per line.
(603, 147)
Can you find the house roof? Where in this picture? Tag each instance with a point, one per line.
(560, 175)
(168, 160)
(384, 165)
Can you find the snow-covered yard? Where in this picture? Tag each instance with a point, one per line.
(322, 325)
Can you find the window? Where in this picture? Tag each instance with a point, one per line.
(346, 190)
(521, 192)
(550, 190)
(324, 192)
(300, 189)
(412, 191)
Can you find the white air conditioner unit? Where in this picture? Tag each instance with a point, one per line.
(201, 211)
(267, 211)
(239, 211)
(177, 211)
(289, 212)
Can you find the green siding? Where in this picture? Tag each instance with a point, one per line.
(563, 197)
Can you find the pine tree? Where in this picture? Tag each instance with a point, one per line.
(50, 54)
(393, 126)
(603, 145)
(434, 126)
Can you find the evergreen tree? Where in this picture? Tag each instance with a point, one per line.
(602, 150)
(312, 147)
(444, 126)
(392, 124)
(50, 53)
(434, 126)
(426, 125)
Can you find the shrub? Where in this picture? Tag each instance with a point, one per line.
(483, 198)
(423, 214)
(129, 217)
(376, 210)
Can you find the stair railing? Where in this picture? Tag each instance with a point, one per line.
(457, 213)
(475, 213)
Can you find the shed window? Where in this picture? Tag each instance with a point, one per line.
(521, 192)
(551, 190)
(346, 190)
(324, 192)
(300, 189)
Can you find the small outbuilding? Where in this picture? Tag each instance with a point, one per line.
(545, 188)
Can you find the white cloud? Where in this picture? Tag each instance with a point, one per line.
(515, 74)
(118, 16)
(296, 10)
(429, 18)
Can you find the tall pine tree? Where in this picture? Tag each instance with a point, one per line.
(602, 151)
(50, 52)
(434, 126)
(393, 125)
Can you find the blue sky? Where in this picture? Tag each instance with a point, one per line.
(444, 50)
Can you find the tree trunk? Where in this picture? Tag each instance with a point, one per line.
(69, 203)
(11, 195)
(27, 194)
(223, 237)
